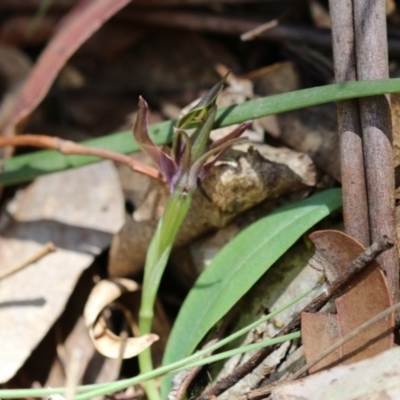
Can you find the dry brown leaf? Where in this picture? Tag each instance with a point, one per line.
(365, 297)
(106, 342)
(79, 211)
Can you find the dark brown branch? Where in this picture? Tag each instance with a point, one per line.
(69, 147)
(359, 263)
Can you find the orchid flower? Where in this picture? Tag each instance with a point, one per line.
(189, 160)
(183, 169)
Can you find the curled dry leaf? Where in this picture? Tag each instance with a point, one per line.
(105, 341)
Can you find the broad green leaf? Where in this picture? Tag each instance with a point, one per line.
(26, 167)
(237, 267)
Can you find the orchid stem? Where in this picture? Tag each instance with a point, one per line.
(157, 256)
(183, 170)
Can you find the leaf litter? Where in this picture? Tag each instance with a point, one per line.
(81, 215)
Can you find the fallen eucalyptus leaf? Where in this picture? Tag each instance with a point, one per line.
(105, 341)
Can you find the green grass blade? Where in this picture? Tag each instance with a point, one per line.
(243, 349)
(26, 167)
(239, 265)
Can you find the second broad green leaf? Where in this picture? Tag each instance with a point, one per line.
(239, 265)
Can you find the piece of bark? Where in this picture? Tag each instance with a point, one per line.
(234, 185)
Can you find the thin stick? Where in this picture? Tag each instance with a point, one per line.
(259, 30)
(372, 63)
(262, 392)
(254, 33)
(69, 147)
(358, 264)
(355, 206)
(46, 249)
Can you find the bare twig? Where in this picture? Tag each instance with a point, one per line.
(69, 147)
(264, 391)
(372, 63)
(254, 33)
(359, 263)
(46, 249)
(355, 207)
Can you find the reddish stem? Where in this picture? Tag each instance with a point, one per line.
(69, 147)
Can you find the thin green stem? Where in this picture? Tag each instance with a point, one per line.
(178, 366)
(157, 256)
(242, 349)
